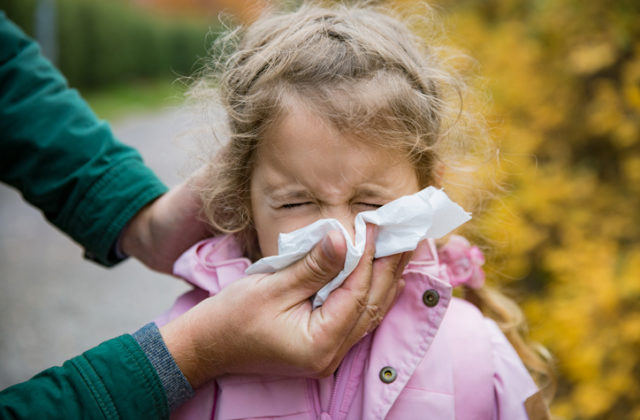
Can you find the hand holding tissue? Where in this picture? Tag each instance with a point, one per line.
(403, 223)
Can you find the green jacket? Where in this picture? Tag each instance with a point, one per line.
(114, 380)
(60, 156)
(67, 163)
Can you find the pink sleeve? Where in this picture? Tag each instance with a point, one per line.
(512, 382)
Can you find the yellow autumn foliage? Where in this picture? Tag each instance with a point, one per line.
(564, 82)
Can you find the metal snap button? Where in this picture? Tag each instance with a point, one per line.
(431, 298)
(388, 374)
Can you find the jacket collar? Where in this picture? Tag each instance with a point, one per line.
(212, 264)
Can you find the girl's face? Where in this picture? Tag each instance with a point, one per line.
(305, 170)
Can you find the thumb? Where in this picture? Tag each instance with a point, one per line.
(318, 267)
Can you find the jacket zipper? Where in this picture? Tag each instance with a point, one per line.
(342, 380)
(339, 386)
(314, 397)
(338, 389)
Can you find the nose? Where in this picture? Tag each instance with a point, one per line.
(345, 216)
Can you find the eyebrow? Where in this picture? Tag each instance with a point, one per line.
(282, 194)
(372, 191)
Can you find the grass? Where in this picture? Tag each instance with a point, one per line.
(134, 98)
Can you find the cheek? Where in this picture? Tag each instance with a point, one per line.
(266, 231)
(269, 225)
(267, 239)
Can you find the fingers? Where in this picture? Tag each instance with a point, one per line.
(347, 302)
(339, 323)
(165, 228)
(385, 289)
(406, 257)
(353, 309)
(305, 277)
(391, 266)
(382, 294)
(386, 285)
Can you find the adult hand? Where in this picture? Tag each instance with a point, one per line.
(265, 324)
(160, 232)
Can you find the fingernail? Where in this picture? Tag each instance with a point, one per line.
(327, 247)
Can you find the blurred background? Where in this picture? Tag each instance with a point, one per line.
(563, 79)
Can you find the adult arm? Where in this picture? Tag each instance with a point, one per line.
(276, 331)
(61, 157)
(114, 380)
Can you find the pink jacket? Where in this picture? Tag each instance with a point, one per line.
(432, 357)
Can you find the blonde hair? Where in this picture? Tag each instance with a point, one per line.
(366, 74)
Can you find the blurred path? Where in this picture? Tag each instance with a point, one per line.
(53, 303)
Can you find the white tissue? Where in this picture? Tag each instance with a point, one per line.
(403, 223)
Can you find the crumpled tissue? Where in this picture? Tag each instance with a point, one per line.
(403, 223)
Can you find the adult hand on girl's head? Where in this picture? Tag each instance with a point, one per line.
(159, 233)
(265, 324)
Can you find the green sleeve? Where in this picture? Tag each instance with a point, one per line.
(60, 156)
(114, 380)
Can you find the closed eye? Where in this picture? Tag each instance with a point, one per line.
(294, 205)
(372, 205)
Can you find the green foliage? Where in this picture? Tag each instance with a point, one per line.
(102, 42)
(141, 96)
(22, 12)
(565, 82)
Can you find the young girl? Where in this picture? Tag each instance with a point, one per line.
(333, 112)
